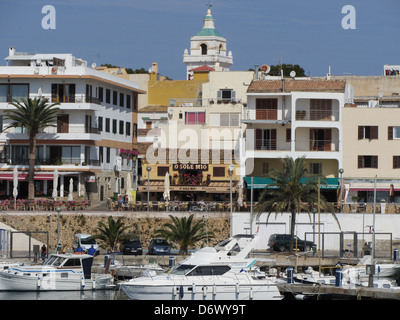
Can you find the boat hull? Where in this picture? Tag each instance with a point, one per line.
(200, 289)
(50, 282)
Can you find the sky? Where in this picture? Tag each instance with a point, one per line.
(134, 34)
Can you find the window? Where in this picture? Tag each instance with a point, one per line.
(107, 124)
(108, 96)
(135, 101)
(219, 171)
(367, 162)
(224, 120)
(265, 167)
(134, 132)
(367, 132)
(266, 109)
(320, 109)
(10, 92)
(101, 154)
(62, 123)
(288, 135)
(128, 129)
(128, 101)
(121, 127)
(316, 168)
(115, 98)
(265, 139)
(203, 47)
(396, 162)
(101, 94)
(114, 128)
(100, 124)
(195, 118)
(226, 95)
(393, 133)
(108, 155)
(71, 154)
(161, 171)
(62, 92)
(121, 99)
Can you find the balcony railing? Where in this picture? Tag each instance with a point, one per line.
(317, 115)
(266, 115)
(319, 145)
(56, 161)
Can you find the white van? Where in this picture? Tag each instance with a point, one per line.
(85, 242)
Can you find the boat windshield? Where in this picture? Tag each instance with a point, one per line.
(88, 240)
(54, 261)
(182, 269)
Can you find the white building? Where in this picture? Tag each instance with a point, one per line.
(92, 142)
(294, 118)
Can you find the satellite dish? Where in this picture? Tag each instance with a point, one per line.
(94, 65)
(292, 74)
(265, 68)
(151, 70)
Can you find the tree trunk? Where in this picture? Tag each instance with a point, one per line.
(292, 228)
(31, 161)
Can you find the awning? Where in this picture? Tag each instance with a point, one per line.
(213, 187)
(262, 183)
(135, 152)
(23, 176)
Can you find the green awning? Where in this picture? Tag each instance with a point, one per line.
(261, 183)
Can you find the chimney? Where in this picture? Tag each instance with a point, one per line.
(154, 67)
(11, 51)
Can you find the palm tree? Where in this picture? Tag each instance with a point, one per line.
(184, 231)
(291, 192)
(34, 115)
(110, 233)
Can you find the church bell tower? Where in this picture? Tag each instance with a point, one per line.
(207, 47)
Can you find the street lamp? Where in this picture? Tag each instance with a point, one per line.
(148, 187)
(58, 209)
(230, 169)
(341, 189)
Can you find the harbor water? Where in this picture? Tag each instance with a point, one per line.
(64, 295)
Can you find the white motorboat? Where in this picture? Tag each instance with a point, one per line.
(115, 264)
(352, 276)
(60, 272)
(221, 273)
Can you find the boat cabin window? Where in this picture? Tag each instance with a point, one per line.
(209, 271)
(54, 261)
(182, 269)
(72, 263)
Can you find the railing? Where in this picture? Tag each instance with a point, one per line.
(316, 115)
(266, 114)
(56, 161)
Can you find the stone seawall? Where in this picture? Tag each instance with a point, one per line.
(143, 224)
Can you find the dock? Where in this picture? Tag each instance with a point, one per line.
(320, 292)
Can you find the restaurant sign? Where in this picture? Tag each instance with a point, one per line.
(190, 166)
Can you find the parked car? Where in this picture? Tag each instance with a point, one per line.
(159, 246)
(281, 242)
(131, 246)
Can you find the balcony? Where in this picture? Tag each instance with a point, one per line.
(319, 145)
(317, 115)
(56, 162)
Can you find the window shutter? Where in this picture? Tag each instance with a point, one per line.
(219, 95)
(273, 139)
(360, 162)
(233, 94)
(258, 139)
(53, 92)
(374, 132)
(390, 133)
(214, 119)
(374, 161)
(360, 132)
(288, 135)
(396, 162)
